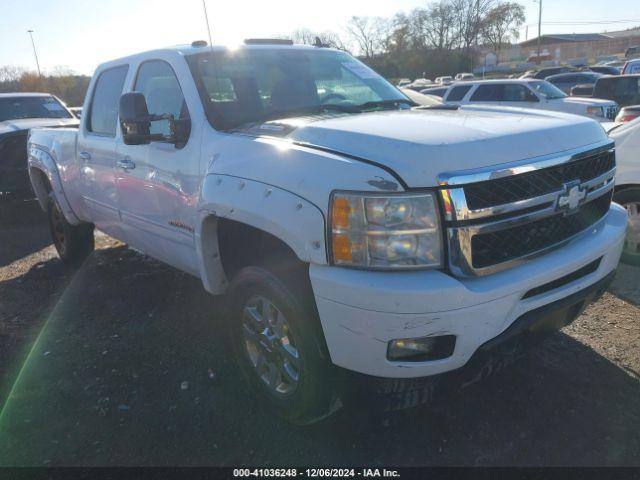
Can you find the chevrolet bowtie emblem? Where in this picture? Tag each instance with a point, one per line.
(572, 197)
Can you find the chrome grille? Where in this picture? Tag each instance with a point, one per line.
(611, 112)
(497, 219)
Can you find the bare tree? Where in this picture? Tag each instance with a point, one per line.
(502, 24)
(369, 33)
(439, 26)
(11, 73)
(328, 38)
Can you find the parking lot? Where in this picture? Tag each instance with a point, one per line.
(109, 365)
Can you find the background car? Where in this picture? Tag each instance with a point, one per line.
(627, 194)
(628, 114)
(606, 70)
(632, 52)
(446, 80)
(528, 93)
(421, 99)
(631, 67)
(419, 84)
(622, 89)
(566, 81)
(403, 82)
(436, 91)
(464, 77)
(547, 72)
(20, 112)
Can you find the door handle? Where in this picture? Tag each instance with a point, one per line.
(86, 156)
(126, 164)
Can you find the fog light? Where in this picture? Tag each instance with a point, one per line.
(421, 349)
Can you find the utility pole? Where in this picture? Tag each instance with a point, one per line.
(34, 52)
(539, 28)
(206, 17)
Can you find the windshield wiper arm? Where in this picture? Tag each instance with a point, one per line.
(386, 103)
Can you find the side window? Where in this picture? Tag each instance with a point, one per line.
(517, 93)
(488, 93)
(103, 111)
(159, 84)
(458, 93)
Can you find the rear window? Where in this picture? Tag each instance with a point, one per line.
(458, 93)
(103, 114)
(15, 108)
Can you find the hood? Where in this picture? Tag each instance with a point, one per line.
(17, 125)
(421, 144)
(587, 102)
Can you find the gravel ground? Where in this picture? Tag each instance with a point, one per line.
(107, 365)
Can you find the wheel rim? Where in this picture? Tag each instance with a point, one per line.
(270, 347)
(57, 227)
(632, 242)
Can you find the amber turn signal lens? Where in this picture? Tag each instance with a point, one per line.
(342, 248)
(340, 213)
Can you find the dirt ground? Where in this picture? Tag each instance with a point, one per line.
(93, 365)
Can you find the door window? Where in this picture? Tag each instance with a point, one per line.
(103, 111)
(159, 84)
(518, 93)
(489, 93)
(458, 93)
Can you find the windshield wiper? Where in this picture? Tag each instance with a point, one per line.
(385, 103)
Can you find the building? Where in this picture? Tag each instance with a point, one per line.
(575, 47)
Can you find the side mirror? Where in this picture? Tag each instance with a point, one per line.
(135, 121)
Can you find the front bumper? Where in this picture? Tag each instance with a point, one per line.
(361, 311)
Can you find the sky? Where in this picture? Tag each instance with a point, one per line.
(80, 34)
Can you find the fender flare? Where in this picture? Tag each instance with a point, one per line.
(292, 219)
(41, 160)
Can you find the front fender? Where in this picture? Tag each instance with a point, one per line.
(40, 160)
(288, 217)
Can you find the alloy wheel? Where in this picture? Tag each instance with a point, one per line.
(270, 347)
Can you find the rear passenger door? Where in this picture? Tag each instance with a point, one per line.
(97, 150)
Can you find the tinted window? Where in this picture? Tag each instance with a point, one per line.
(14, 108)
(103, 117)
(457, 93)
(157, 81)
(488, 93)
(518, 93)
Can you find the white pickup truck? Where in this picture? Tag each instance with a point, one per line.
(352, 231)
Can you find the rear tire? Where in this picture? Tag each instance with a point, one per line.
(276, 345)
(630, 199)
(74, 243)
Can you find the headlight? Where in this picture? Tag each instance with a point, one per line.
(597, 111)
(394, 231)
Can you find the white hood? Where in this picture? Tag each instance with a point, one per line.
(587, 102)
(421, 144)
(17, 125)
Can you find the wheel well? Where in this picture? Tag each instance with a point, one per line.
(242, 245)
(41, 186)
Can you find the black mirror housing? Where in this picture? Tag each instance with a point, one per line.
(135, 121)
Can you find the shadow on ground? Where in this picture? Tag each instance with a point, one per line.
(103, 386)
(23, 230)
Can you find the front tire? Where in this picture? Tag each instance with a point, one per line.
(276, 345)
(629, 198)
(74, 243)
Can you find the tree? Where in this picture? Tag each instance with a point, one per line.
(331, 39)
(502, 24)
(369, 33)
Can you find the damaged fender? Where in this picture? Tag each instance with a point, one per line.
(297, 222)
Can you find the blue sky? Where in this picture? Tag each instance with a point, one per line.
(83, 33)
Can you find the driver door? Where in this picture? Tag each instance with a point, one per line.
(157, 183)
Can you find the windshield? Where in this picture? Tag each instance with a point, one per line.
(14, 108)
(547, 90)
(249, 86)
